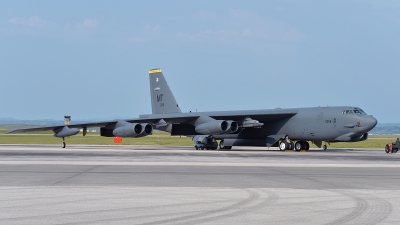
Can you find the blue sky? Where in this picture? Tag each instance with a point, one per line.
(90, 59)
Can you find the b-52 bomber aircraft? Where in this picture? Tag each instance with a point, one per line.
(288, 129)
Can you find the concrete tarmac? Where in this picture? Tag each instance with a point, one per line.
(44, 184)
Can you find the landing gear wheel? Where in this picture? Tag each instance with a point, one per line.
(63, 143)
(283, 146)
(298, 146)
(291, 146)
(325, 147)
(221, 145)
(202, 148)
(307, 146)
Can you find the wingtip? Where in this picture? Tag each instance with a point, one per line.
(12, 131)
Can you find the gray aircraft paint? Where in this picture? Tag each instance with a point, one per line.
(315, 124)
(162, 99)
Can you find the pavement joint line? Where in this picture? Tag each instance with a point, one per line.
(75, 175)
(198, 164)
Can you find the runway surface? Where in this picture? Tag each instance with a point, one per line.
(179, 185)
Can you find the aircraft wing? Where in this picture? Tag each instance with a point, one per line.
(153, 120)
(79, 125)
(264, 116)
(56, 127)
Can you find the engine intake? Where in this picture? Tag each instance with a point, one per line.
(233, 127)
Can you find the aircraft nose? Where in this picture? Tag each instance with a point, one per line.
(368, 123)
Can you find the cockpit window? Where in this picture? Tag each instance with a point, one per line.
(359, 111)
(356, 111)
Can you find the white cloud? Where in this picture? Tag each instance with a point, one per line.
(247, 32)
(34, 21)
(242, 24)
(88, 24)
(152, 29)
(36, 26)
(293, 35)
(231, 27)
(148, 33)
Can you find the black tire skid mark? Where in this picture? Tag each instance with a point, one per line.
(252, 197)
(189, 215)
(362, 205)
(89, 197)
(107, 211)
(380, 209)
(272, 198)
(366, 211)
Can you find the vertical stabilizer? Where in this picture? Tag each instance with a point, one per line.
(162, 99)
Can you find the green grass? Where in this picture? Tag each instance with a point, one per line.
(158, 138)
(372, 142)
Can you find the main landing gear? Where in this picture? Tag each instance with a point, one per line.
(288, 144)
(301, 145)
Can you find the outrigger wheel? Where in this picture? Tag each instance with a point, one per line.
(63, 143)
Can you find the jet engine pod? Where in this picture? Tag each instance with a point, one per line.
(133, 130)
(213, 127)
(147, 130)
(65, 132)
(233, 127)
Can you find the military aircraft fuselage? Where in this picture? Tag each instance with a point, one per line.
(330, 124)
(269, 127)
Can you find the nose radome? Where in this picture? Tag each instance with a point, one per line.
(368, 123)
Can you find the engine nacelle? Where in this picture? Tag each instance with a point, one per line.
(133, 130)
(217, 127)
(233, 127)
(66, 132)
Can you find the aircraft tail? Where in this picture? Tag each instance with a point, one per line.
(162, 99)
